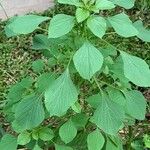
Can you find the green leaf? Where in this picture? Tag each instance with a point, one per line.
(116, 96)
(8, 142)
(46, 134)
(44, 81)
(135, 99)
(97, 25)
(70, 2)
(62, 147)
(29, 112)
(16, 91)
(136, 70)
(70, 128)
(61, 95)
(94, 100)
(82, 14)
(60, 25)
(37, 147)
(104, 4)
(88, 60)
(77, 107)
(123, 25)
(38, 66)
(144, 34)
(24, 138)
(26, 24)
(124, 3)
(95, 140)
(112, 145)
(147, 140)
(109, 115)
(80, 120)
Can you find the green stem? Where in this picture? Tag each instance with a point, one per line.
(96, 81)
(130, 139)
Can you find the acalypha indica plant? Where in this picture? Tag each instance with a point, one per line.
(84, 94)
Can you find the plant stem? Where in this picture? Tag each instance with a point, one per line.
(130, 139)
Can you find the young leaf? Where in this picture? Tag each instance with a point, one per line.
(24, 138)
(82, 14)
(88, 60)
(136, 70)
(124, 3)
(144, 34)
(38, 66)
(71, 2)
(70, 128)
(104, 4)
(29, 113)
(46, 134)
(77, 107)
(123, 25)
(26, 24)
(109, 115)
(95, 140)
(62, 147)
(60, 25)
(61, 95)
(8, 142)
(135, 99)
(97, 25)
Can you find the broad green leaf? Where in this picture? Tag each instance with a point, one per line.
(104, 4)
(70, 2)
(80, 120)
(124, 3)
(82, 14)
(88, 60)
(109, 115)
(95, 140)
(123, 25)
(38, 66)
(94, 100)
(135, 99)
(26, 24)
(62, 147)
(8, 142)
(44, 81)
(29, 112)
(46, 134)
(60, 25)
(70, 128)
(24, 138)
(61, 95)
(144, 34)
(136, 70)
(116, 96)
(97, 25)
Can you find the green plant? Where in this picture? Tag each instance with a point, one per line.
(82, 96)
